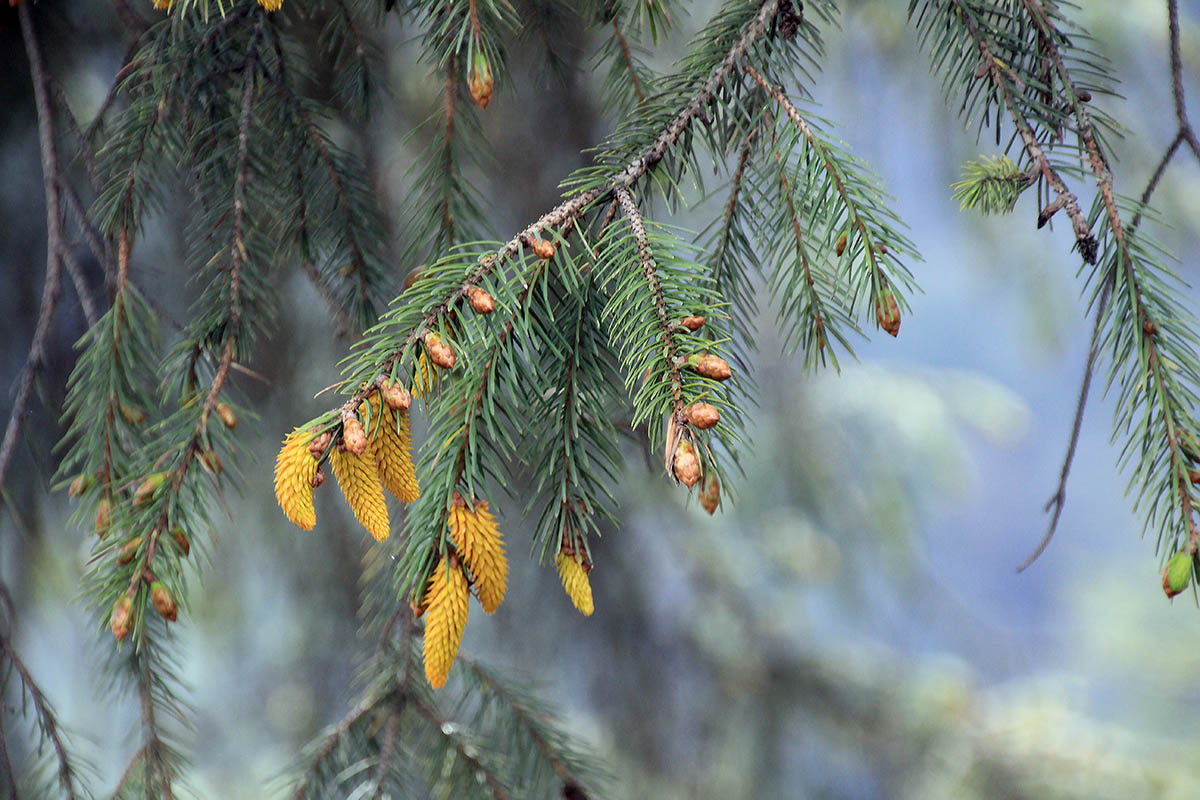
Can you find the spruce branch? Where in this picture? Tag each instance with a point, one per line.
(879, 282)
(463, 750)
(45, 718)
(679, 424)
(571, 208)
(51, 289)
(627, 59)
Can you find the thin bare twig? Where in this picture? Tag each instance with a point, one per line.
(51, 289)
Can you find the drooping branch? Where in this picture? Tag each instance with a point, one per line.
(54, 244)
(570, 209)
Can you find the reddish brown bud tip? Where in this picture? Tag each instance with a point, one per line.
(227, 416)
(710, 493)
(411, 278)
(181, 541)
(122, 617)
(479, 81)
(319, 444)
(212, 462)
(317, 479)
(887, 313)
(80, 485)
(440, 352)
(481, 301)
(542, 248)
(132, 414)
(710, 366)
(839, 247)
(354, 437)
(396, 396)
(128, 551)
(686, 465)
(1149, 327)
(693, 323)
(417, 610)
(164, 604)
(148, 487)
(702, 415)
(103, 512)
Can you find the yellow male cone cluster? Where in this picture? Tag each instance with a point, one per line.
(446, 617)
(479, 542)
(575, 581)
(294, 471)
(391, 446)
(358, 477)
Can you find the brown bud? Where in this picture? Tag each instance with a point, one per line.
(319, 444)
(122, 617)
(839, 247)
(80, 485)
(227, 416)
(211, 461)
(710, 366)
(418, 610)
(702, 415)
(164, 604)
(440, 352)
(479, 81)
(887, 313)
(693, 323)
(396, 396)
(181, 541)
(128, 551)
(148, 487)
(103, 512)
(686, 465)
(883, 251)
(317, 479)
(710, 493)
(354, 437)
(132, 414)
(542, 248)
(1149, 328)
(411, 278)
(481, 301)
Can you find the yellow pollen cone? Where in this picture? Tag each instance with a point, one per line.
(294, 470)
(445, 619)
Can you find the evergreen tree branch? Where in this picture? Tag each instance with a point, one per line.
(154, 753)
(51, 289)
(329, 746)
(571, 208)
(1184, 133)
(670, 350)
(6, 762)
(493, 781)
(879, 283)
(46, 719)
(627, 57)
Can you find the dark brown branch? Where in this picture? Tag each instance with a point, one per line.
(54, 245)
(86, 301)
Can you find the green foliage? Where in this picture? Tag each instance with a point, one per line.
(992, 185)
(221, 102)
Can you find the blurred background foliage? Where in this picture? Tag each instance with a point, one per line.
(849, 626)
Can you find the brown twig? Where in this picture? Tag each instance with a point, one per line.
(629, 65)
(54, 245)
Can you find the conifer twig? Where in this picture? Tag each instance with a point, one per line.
(46, 720)
(54, 245)
(575, 205)
(462, 751)
(1184, 133)
(650, 273)
(627, 56)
